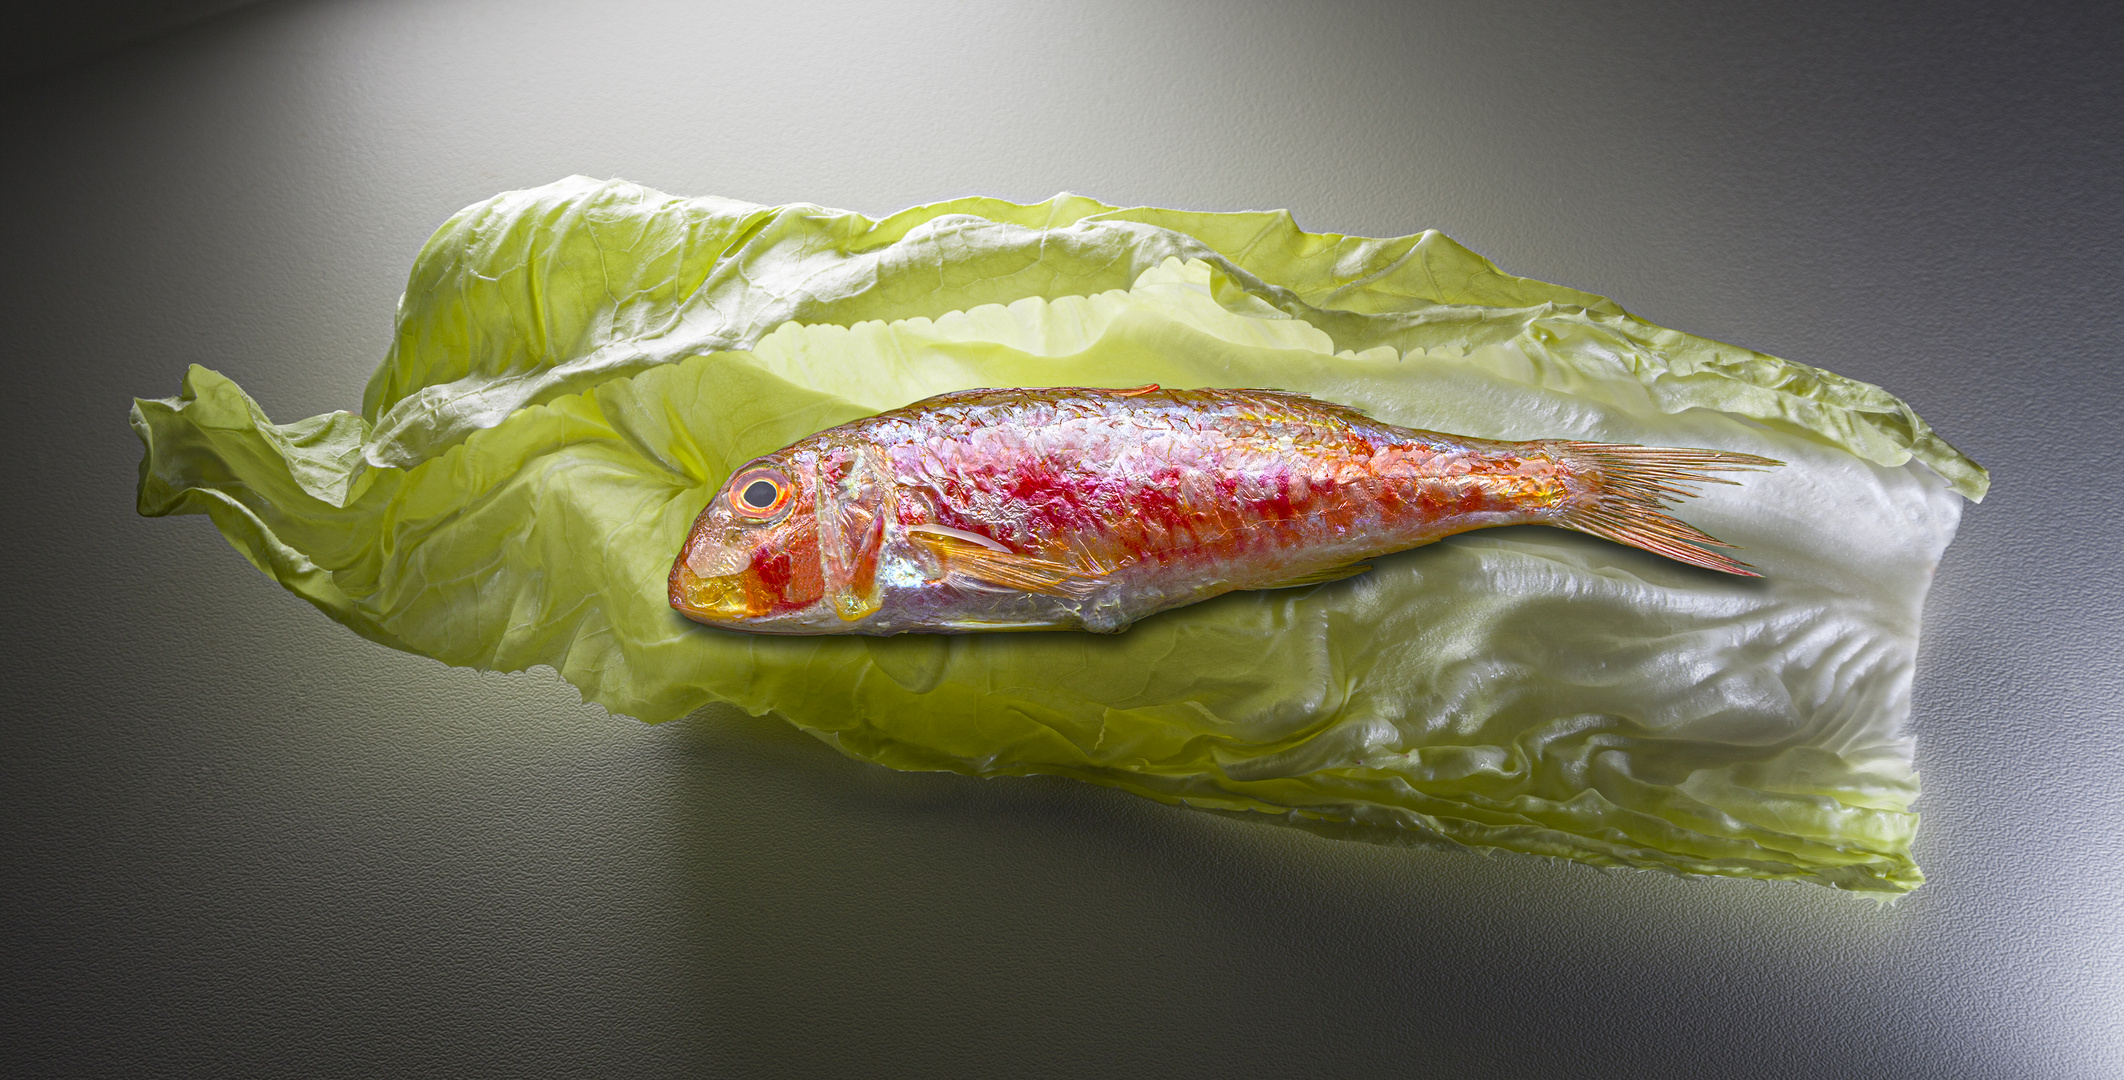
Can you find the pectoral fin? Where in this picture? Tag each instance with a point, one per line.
(982, 560)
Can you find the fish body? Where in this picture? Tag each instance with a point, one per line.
(1088, 508)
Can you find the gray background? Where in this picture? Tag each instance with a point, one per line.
(237, 839)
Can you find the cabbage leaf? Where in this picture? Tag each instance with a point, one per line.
(577, 367)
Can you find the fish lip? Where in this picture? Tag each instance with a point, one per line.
(716, 599)
(721, 602)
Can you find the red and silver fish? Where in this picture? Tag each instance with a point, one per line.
(1082, 508)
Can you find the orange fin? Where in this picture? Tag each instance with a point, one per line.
(988, 562)
(1134, 391)
(1633, 484)
(1319, 577)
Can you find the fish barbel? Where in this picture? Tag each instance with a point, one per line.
(1086, 508)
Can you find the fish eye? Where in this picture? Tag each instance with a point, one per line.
(759, 493)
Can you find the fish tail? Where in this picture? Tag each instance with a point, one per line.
(1630, 487)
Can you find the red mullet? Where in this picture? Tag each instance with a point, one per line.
(1083, 508)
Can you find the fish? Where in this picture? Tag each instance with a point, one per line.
(1090, 508)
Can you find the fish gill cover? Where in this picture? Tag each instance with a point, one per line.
(577, 367)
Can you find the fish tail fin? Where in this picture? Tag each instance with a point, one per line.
(1630, 487)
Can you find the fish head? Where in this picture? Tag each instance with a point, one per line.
(752, 559)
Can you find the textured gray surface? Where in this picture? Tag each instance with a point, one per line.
(239, 840)
(41, 37)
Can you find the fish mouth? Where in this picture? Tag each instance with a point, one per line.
(719, 599)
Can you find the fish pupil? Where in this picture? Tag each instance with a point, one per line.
(760, 494)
